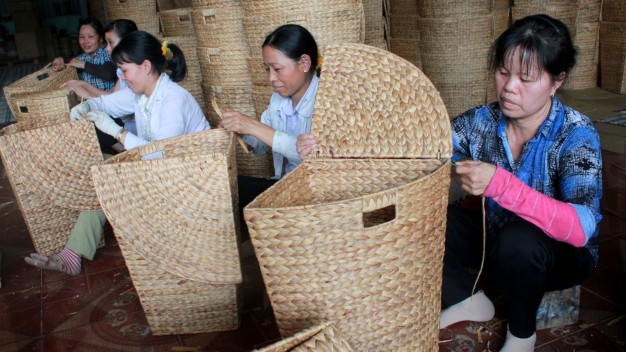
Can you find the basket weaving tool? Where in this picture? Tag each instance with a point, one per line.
(219, 113)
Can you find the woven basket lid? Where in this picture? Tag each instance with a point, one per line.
(171, 201)
(372, 103)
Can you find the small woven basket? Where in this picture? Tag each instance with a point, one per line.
(48, 166)
(323, 337)
(356, 234)
(38, 81)
(55, 103)
(171, 204)
(220, 26)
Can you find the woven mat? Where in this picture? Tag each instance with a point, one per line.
(9, 75)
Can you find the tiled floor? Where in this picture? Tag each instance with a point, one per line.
(99, 309)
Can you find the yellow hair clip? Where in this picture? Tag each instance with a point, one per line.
(320, 61)
(166, 51)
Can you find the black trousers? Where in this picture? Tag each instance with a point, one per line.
(248, 189)
(525, 262)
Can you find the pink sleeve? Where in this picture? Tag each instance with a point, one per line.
(557, 219)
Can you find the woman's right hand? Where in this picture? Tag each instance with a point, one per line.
(305, 144)
(234, 121)
(79, 87)
(58, 64)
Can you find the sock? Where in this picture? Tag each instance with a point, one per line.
(516, 344)
(475, 308)
(66, 261)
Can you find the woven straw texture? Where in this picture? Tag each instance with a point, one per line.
(379, 105)
(174, 219)
(453, 8)
(457, 64)
(323, 337)
(585, 73)
(220, 26)
(374, 22)
(342, 23)
(221, 67)
(48, 166)
(176, 22)
(358, 238)
(564, 10)
(614, 10)
(143, 12)
(31, 84)
(613, 56)
(193, 80)
(45, 104)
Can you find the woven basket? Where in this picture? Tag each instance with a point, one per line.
(614, 10)
(220, 26)
(142, 12)
(408, 49)
(356, 234)
(453, 8)
(47, 80)
(613, 56)
(323, 337)
(55, 103)
(342, 23)
(171, 204)
(564, 10)
(48, 163)
(176, 22)
(585, 73)
(221, 67)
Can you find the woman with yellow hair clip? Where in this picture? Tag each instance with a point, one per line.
(162, 109)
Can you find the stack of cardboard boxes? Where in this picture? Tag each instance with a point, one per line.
(27, 37)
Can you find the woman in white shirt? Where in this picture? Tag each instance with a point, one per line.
(290, 56)
(162, 109)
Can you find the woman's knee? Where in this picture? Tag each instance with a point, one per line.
(520, 244)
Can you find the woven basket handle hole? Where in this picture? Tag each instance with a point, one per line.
(23, 108)
(183, 18)
(379, 216)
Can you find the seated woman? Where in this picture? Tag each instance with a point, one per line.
(290, 57)
(113, 33)
(94, 64)
(538, 165)
(162, 108)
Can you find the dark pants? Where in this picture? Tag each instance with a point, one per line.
(248, 189)
(525, 262)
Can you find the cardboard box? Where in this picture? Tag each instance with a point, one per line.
(25, 21)
(27, 45)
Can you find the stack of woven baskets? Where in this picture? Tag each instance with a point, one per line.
(177, 28)
(142, 12)
(374, 23)
(355, 235)
(403, 32)
(170, 204)
(457, 64)
(613, 46)
(582, 18)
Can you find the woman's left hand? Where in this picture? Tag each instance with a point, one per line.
(74, 62)
(234, 121)
(475, 175)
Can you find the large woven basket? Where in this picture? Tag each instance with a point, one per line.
(53, 103)
(356, 234)
(340, 23)
(48, 166)
(176, 22)
(323, 337)
(171, 204)
(38, 81)
(613, 56)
